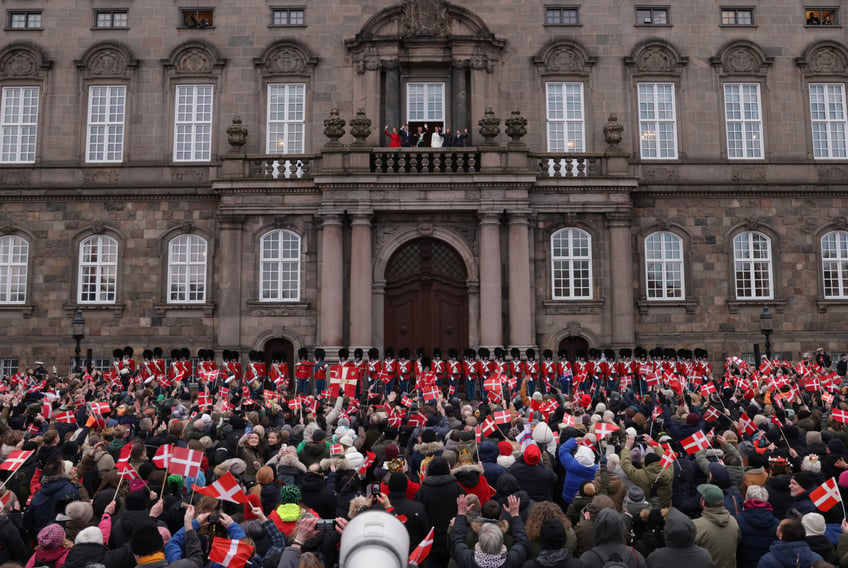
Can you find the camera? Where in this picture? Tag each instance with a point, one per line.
(214, 518)
(374, 489)
(325, 524)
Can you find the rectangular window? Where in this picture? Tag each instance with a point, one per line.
(565, 115)
(657, 121)
(286, 118)
(821, 16)
(743, 120)
(652, 17)
(19, 123)
(561, 16)
(8, 366)
(106, 109)
(14, 257)
(193, 124)
(287, 17)
(737, 17)
(25, 20)
(197, 18)
(110, 19)
(425, 102)
(829, 122)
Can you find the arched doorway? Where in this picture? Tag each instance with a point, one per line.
(426, 300)
(282, 345)
(572, 345)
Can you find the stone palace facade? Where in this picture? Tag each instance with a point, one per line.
(635, 173)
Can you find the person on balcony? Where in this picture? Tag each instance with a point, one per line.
(436, 139)
(405, 136)
(394, 137)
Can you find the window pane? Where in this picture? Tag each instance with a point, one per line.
(98, 270)
(565, 123)
(286, 118)
(279, 267)
(657, 121)
(571, 264)
(106, 107)
(752, 262)
(14, 258)
(664, 266)
(187, 269)
(19, 115)
(193, 123)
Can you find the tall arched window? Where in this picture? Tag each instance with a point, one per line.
(98, 270)
(279, 267)
(187, 270)
(14, 259)
(664, 266)
(571, 264)
(834, 251)
(752, 266)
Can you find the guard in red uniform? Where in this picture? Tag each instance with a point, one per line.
(438, 367)
(531, 369)
(548, 373)
(453, 371)
(279, 373)
(303, 370)
(404, 371)
(469, 373)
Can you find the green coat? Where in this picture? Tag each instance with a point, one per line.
(645, 476)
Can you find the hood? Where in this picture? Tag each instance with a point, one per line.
(718, 516)
(315, 450)
(552, 558)
(507, 485)
(54, 484)
(312, 482)
(438, 480)
(468, 475)
(428, 448)
(757, 504)
(341, 464)
(608, 528)
(762, 519)
(791, 550)
(289, 512)
(679, 530)
(292, 461)
(780, 483)
(505, 461)
(488, 452)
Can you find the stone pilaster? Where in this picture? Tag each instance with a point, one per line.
(361, 327)
(230, 229)
(621, 274)
(331, 304)
(491, 320)
(520, 291)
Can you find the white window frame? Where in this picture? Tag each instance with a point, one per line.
(752, 262)
(562, 13)
(29, 18)
(19, 116)
(104, 140)
(193, 114)
(571, 272)
(279, 266)
(112, 14)
(290, 15)
(187, 269)
(743, 120)
(664, 260)
(14, 265)
(654, 12)
(829, 120)
(657, 121)
(735, 12)
(8, 366)
(834, 255)
(432, 101)
(286, 118)
(566, 117)
(98, 270)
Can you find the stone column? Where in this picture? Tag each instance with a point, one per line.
(520, 290)
(331, 306)
(391, 96)
(491, 322)
(459, 96)
(473, 317)
(229, 298)
(361, 329)
(621, 279)
(379, 318)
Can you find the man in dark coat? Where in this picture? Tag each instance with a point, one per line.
(489, 552)
(56, 488)
(791, 550)
(492, 470)
(417, 524)
(315, 493)
(680, 548)
(758, 525)
(438, 494)
(532, 474)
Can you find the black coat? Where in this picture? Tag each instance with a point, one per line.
(81, 555)
(758, 526)
(317, 496)
(438, 494)
(417, 524)
(537, 480)
(12, 546)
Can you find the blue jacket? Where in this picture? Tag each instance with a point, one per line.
(575, 472)
(492, 470)
(789, 555)
(758, 526)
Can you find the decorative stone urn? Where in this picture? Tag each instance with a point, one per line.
(360, 127)
(489, 127)
(612, 131)
(334, 129)
(236, 134)
(516, 127)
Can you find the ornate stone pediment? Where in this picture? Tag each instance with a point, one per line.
(23, 61)
(195, 59)
(424, 18)
(656, 57)
(286, 58)
(563, 56)
(741, 58)
(108, 60)
(824, 58)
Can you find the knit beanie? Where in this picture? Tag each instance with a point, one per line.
(504, 448)
(813, 524)
(650, 458)
(532, 455)
(146, 540)
(391, 452)
(552, 535)
(90, 535)
(51, 536)
(692, 419)
(585, 456)
(398, 483)
(290, 494)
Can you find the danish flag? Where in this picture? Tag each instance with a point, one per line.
(337, 450)
(406, 401)
(707, 389)
(431, 393)
(16, 459)
(423, 549)
(225, 488)
(502, 417)
(656, 413)
(695, 443)
(185, 462)
(4, 500)
(840, 415)
(66, 417)
(478, 434)
(711, 414)
(123, 465)
(567, 419)
(230, 553)
(827, 398)
(488, 426)
(826, 495)
(603, 429)
(394, 421)
(369, 459)
(417, 419)
(667, 459)
(203, 400)
(746, 424)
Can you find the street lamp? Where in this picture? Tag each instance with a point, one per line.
(78, 324)
(766, 328)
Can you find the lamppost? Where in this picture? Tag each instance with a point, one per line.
(78, 324)
(766, 328)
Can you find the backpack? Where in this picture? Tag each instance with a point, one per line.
(614, 560)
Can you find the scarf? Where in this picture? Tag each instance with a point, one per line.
(483, 560)
(151, 558)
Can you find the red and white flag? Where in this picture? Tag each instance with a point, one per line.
(162, 458)
(667, 459)
(230, 553)
(337, 450)
(746, 424)
(656, 412)
(100, 407)
(502, 416)
(185, 462)
(603, 429)
(695, 443)
(567, 419)
(125, 470)
(369, 459)
(225, 488)
(840, 415)
(478, 434)
(826, 495)
(711, 414)
(827, 398)
(66, 417)
(16, 459)
(416, 419)
(4, 500)
(423, 549)
(707, 389)
(489, 426)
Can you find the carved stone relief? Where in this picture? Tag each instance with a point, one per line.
(19, 63)
(741, 60)
(424, 18)
(190, 175)
(827, 60)
(15, 177)
(194, 61)
(655, 60)
(832, 173)
(660, 173)
(101, 176)
(748, 173)
(108, 62)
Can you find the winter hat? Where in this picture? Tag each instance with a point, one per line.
(90, 535)
(79, 511)
(51, 536)
(636, 455)
(843, 478)
(136, 501)
(346, 441)
(398, 483)
(236, 466)
(635, 495)
(146, 540)
(552, 535)
(391, 452)
(542, 434)
(265, 475)
(585, 401)
(585, 456)
(719, 475)
(813, 524)
(650, 458)
(532, 455)
(600, 408)
(692, 419)
(504, 448)
(835, 445)
(290, 494)
(711, 493)
(318, 436)
(428, 436)
(805, 479)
